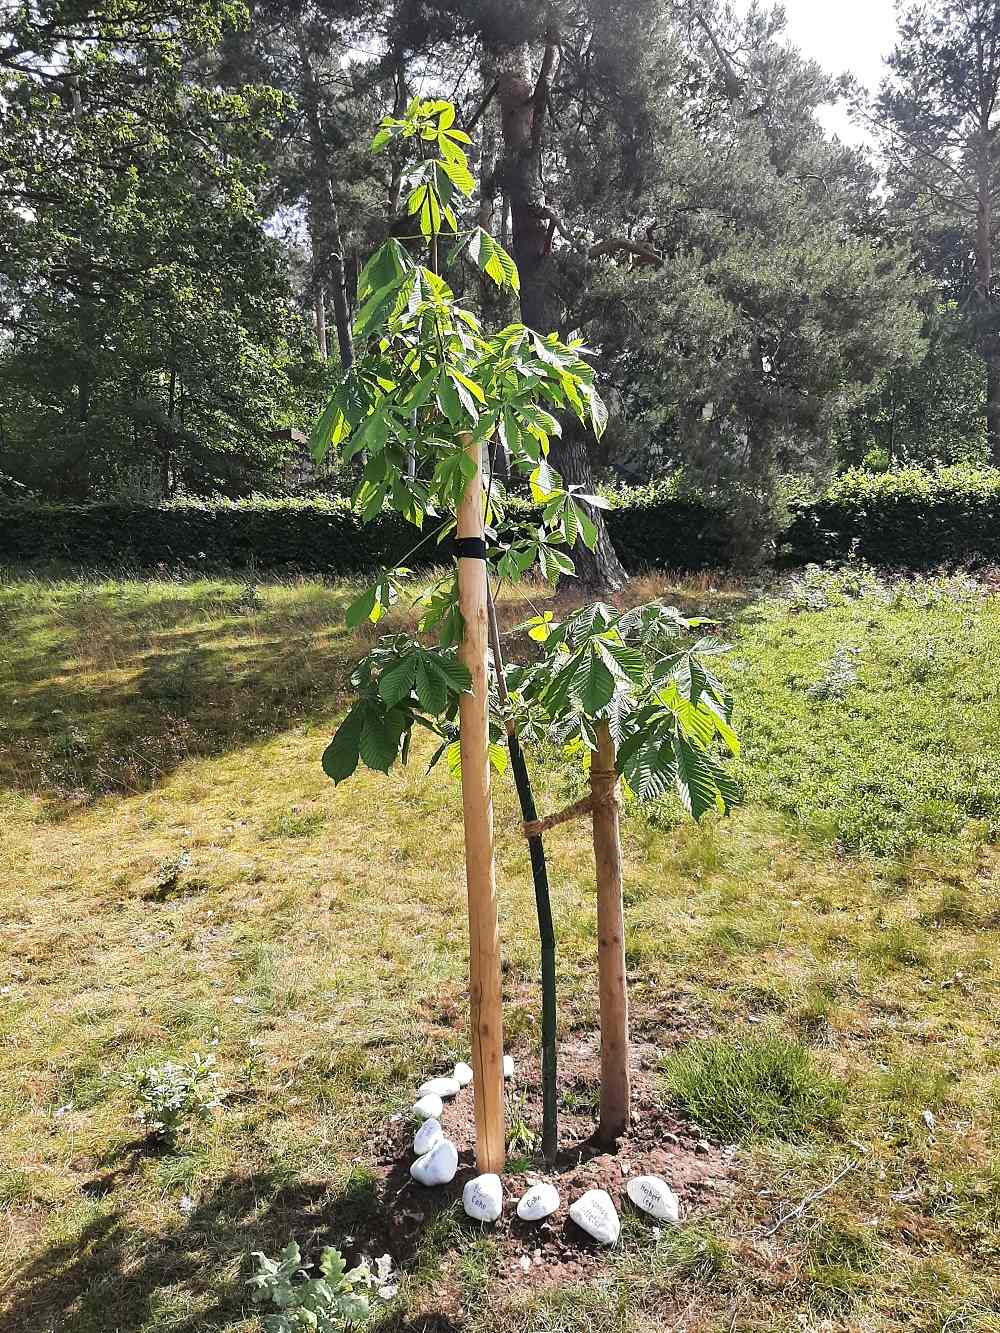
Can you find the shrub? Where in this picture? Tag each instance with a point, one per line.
(650, 528)
(903, 519)
(764, 1084)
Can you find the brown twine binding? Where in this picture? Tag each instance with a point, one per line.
(536, 827)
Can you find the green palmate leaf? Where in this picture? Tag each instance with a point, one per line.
(397, 681)
(362, 607)
(723, 712)
(380, 302)
(623, 661)
(330, 429)
(598, 411)
(459, 174)
(544, 483)
(455, 672)
(498, 758)
(431, 687)
(696, 779)
(553, 562)
(510, 433)
(690, 677)
(451, 404)
(389, 261)
(340, 758)
(493, 259)
(652, 768)
(380, 737)
(696, 721)
(538, 421)
(594, 686)
(587, 526)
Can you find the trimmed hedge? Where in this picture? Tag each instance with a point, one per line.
(903, 519)
(314, 535)
(911, 519)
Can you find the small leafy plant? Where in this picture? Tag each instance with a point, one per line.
(839, 674)
(340, 1298)
(172, 1095)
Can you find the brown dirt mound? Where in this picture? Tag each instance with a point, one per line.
(658, 1143)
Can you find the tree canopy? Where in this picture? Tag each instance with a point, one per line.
(186, 204)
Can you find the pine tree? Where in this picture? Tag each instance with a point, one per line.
(938, 112)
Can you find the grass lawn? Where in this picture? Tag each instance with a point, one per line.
(177, 875)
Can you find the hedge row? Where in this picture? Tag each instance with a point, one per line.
(317, 535)
(903, 519)
(910, 519)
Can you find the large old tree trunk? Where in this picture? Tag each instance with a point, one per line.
(989, 341)
(328, 258)
(523, 106)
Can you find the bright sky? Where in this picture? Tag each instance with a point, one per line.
(844, 36)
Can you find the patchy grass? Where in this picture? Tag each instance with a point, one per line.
(176, 875)
(763, 1084)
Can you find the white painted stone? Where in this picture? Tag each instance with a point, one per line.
(508, 1066)
(482, 1198)
(595, 1213)
(428, 1136)
(429, 1107)
(462, 1074)
(439, 1087)
(654, 1196)
(438, 1166)
(539, 1201)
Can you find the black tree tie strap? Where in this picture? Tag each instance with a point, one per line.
(469, 548)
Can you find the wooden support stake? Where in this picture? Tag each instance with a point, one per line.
(615, 1077)
(484, 948)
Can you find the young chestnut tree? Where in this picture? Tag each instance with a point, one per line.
(428, 389)
(623, 691)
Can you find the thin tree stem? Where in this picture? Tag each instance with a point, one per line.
(543, 906)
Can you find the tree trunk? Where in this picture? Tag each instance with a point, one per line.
(988, 340)
(615, 1079)
(486, 1019)
(600, 570)
(518, 174)
(330, 260)
(321, 323)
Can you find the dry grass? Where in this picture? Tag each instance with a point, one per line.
(161, 895)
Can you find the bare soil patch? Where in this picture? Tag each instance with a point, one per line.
(555, 1250)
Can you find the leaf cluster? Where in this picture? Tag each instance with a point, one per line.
(400, 684)
(668, 713)
(428, 382)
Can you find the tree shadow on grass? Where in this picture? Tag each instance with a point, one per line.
(114, 1275)
(89, 718)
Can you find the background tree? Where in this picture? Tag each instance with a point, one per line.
(671, 194)
(937, 112)
(149, 332)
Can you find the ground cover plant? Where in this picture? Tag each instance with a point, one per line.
(160, 899)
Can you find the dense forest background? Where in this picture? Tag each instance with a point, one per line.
(187, 194)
